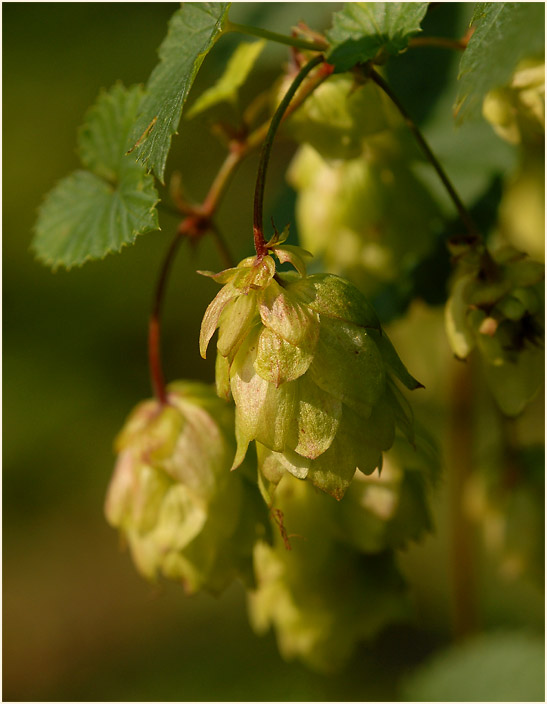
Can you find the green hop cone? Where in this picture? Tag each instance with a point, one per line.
(341, 115)
(500, 312)
(182, 513)
(322, 596)
(517, 111)
(369, 218)
(310, 370)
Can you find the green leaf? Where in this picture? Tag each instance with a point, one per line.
(494, 667)
(92, 213)
(193, 30)
(362, 30)
(237, 70)
(505, 33)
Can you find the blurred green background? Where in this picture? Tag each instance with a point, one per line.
(78, 621)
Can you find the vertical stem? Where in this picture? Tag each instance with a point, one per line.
(461, 529)
(460, 207)
(154, 325)
(258, 230)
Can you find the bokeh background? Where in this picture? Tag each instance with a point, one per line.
(78, 622)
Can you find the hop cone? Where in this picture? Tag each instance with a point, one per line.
(341, 115)
(182, 513)
(502, 313)
(310, 370)
(517, 111)
(370, 218)
(323, 596)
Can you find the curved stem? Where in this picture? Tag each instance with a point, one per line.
(466, 218)
(258, 230)
(273, 36)
(154, 349)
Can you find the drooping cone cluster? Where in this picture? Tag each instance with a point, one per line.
(310, 371)
(360, 205)
(500, 309)
(181, 511)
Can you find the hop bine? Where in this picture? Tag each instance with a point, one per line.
(309, 368)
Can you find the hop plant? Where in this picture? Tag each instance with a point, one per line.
(499, 308)
(182, 513)
(310, 370)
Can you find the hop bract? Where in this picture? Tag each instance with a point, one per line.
(172, 495)
(310, 370)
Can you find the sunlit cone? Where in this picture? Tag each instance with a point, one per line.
(184, 515)
(517, 111)
(310, 370)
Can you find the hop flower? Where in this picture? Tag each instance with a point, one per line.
(517, 111)
(309, 368)
(340, 115)
(370, 218)
(502, 313)
(181, 511)
(322, 596)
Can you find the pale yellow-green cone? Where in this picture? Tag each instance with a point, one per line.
(517, 111)
(172, 496)
(341, 115)
(322, 596)
(502, 314)
(369, 218)
(310, 371)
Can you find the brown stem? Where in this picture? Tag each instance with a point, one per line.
(474, 234)
(154, 327)
(258, 228)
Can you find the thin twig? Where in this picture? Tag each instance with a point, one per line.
(258, 229)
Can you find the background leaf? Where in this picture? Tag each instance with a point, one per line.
(91, 213)
(226, 88)
(192, 32)
(497, 667)
(505, 33)
(363, 29)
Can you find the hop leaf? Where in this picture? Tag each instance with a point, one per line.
(310, 371)
(183, 514)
